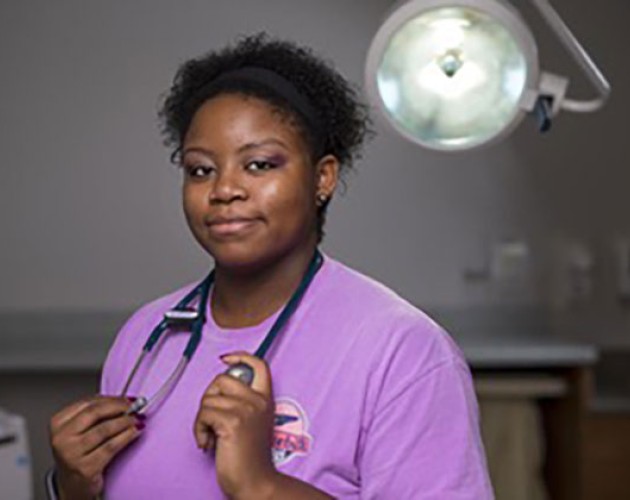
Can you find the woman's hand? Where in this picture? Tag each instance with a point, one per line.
(85, 436)
(237, 421)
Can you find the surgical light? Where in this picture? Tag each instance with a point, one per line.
(457, 74)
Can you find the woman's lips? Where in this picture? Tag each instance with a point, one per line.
(231, 227)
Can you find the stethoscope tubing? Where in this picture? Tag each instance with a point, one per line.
(202, 290)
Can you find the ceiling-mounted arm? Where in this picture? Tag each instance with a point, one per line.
(573, 46)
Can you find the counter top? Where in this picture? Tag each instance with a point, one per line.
(523, 350)
(56, 341)
(71, 341)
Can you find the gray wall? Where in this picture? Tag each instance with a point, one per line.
(91, 214)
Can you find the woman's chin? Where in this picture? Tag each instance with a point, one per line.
(238, 260)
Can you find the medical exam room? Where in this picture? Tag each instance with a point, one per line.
(458, 328)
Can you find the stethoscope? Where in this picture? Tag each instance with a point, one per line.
(183, 316)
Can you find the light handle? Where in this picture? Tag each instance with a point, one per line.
(581, 57)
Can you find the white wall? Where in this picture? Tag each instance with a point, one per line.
(90, 205)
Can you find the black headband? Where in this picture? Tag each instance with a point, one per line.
(283, 88)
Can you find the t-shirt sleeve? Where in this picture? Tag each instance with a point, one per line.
(423, 441)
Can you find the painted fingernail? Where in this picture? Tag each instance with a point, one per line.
(140, 425)
(140, 416)
(131, 399)
(225, 355)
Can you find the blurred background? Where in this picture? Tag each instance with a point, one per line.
(522, 249)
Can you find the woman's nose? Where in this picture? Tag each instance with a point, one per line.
(227, 187)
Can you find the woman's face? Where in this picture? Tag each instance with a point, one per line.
(250, 188)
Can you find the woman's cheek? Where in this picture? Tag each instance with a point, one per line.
(271, 193)
(282, 195)
(193, 203)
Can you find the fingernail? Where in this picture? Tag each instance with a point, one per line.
(140, 416)
(225, 355)
(131, 398)
(140, 425)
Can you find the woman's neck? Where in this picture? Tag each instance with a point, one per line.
(246, 299)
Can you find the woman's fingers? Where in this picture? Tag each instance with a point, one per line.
(229, 386)
(204, 430)
(228, 403)
(215, 422)
(84, 426)
(64, 415)
(100, 457)
(85, 436)
(229, 394)
(104, 431)
(232, 410)
(211, 403)
(89, 467)
(87, 415)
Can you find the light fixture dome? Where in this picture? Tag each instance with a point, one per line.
(453, 75)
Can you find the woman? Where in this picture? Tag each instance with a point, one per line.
(370, 398)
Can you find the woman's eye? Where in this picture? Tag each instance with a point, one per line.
(198, 171)
(259, 165)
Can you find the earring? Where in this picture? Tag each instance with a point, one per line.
(321, 199)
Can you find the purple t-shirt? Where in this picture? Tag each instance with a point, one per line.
(373, 400)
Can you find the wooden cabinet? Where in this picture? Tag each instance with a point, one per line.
(555, 441)
(586, 452)
(606, 456)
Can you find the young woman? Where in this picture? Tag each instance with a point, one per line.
(360, 395)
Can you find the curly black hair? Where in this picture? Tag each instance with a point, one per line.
(343, 119)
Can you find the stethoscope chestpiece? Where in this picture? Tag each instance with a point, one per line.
(242, 372)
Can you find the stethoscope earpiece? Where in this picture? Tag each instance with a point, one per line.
(137, 406)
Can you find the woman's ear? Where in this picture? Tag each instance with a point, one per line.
(327, 172)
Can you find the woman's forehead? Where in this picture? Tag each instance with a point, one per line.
(241, 119)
